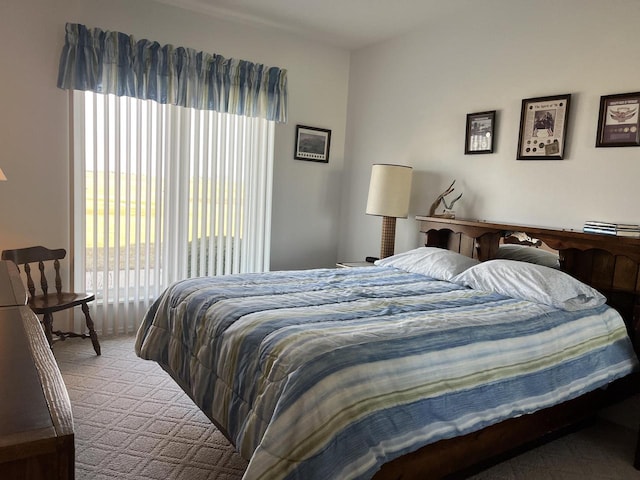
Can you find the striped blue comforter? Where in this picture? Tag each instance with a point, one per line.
(328, 374)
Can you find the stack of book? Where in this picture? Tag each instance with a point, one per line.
(608, 228)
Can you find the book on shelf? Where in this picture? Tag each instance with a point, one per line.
(605, 231)
(599, 224)
(610, 228)
(628, 233)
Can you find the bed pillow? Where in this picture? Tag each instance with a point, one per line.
(524, 253)
(531, 282)
(433, 262)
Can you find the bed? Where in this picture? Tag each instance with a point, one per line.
(429, 363)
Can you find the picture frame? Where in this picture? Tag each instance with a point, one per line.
(480, 133)
(312, 144)
(543, 127)
(619, 120)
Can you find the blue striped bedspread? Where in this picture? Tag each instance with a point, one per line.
(328, 374)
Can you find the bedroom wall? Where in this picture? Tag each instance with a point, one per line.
(34, 119)
(409, 97)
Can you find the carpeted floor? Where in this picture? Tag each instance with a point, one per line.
(133, 422)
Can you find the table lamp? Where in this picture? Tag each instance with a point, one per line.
(389, 193)
(3, 177)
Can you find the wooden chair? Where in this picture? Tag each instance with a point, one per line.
(48, 303)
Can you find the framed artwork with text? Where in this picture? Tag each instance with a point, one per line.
(619, 121)
(480, 132)
(543, 127)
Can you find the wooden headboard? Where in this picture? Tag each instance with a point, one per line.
(608, 263)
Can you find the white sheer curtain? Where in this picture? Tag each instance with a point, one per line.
(163, 193)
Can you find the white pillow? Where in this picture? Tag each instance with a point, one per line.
(433, 262)
(525, 253)
(531, 282)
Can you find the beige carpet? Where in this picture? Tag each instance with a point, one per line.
(133, 422)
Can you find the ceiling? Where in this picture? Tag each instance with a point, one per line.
(349, 24)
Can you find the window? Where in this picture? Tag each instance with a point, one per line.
(162, 193)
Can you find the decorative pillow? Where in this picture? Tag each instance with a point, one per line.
(433, 262)
(524, 253)
(531, 282)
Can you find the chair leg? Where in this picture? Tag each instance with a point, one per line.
(92, 332)
(47, 323)
(636, 463)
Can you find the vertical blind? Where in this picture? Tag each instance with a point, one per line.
(164, 193)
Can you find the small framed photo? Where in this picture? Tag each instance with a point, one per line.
(543, 127)
(480, 132)
(312, 144)
(619, 122)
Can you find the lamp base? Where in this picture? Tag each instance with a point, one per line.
(387, 245)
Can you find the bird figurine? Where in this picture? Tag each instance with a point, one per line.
(448, 206)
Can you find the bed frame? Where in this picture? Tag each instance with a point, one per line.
(608, 263)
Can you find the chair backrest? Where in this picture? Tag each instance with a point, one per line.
(26, 256)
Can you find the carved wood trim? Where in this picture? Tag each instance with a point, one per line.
(558, 239)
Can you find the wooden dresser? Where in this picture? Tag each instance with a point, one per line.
(36, 424)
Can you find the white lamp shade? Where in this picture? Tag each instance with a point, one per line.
(3, 178)
(389, 190)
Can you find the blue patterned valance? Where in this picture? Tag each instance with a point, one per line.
(116, 63)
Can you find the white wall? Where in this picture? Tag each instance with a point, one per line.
(407, 103)
(34, 118)
(409, 97)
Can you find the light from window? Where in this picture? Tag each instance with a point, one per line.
(164, 193)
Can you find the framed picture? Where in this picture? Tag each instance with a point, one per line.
(543, 127)
(480, 132)
(619, 122)
(312, 144)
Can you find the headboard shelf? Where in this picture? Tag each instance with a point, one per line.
(558, 239)
(609, 263)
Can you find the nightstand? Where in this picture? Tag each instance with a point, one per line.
(354, 264)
